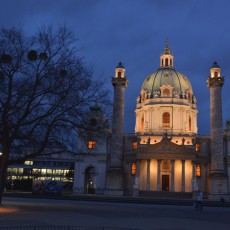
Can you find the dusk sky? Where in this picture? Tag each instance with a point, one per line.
(134, 32)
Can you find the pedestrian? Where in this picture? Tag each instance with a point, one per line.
(199, 200)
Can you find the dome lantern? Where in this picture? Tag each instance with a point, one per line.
(215, 70)
(166, 58)
(120, 71)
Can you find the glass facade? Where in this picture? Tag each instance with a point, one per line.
(58, 170)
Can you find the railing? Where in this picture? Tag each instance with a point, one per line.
(64, 228)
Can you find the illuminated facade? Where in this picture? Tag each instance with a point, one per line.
(165, 154)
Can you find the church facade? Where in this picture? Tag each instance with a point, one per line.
(165, 154)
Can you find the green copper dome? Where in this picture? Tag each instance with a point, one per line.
(167, 76)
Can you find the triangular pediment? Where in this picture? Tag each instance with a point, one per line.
(165, 146)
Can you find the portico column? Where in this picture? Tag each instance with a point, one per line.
(136, 184)
(148, 176)
(204, 176)
(194, 179)
(172, 175)
(183, 176)
(193, 169)
(158, 175)
(138, 169)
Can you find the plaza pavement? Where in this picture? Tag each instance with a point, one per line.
(136, 213)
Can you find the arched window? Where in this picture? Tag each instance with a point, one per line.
(166, 120)
(142, 124)
(166, 93)
(189, 124)
(143, 97)
(171, 62)
(166, 62)
(215, 74)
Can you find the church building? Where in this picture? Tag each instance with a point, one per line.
(165, 154)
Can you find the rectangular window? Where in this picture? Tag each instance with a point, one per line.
(28, 162)
(133, 168)
(198, 170)
(49, 171)
(166, 120)
(91, 144)
(134, 145)
(197, 147)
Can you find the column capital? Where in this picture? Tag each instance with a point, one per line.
(119, 81)
(213, 82)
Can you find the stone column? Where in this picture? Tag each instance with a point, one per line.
(115, 174)
(158, 175)
(194, 180)
(193, 169)
(148, 176)
(204, 176)
(136, 183)
(215, 83)
(172, 175)
(218, 179)
(138, 169)
(183, 176)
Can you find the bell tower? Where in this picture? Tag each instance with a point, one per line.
(114, 178)
(218, 179)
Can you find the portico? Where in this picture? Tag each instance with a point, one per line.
(166, 166)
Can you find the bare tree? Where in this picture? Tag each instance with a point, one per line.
(45, 91)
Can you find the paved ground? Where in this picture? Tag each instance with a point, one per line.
(19, 211)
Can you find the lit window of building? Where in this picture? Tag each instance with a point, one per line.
(166, 120)
(198, 170)
(189, 124)
(28, 163)
(43, 171)
(134, 145)
(91, 144)
(197, 147)
(49, 171)
(133, 168)
(166, 92)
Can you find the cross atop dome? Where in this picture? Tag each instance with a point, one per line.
(167, 50)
